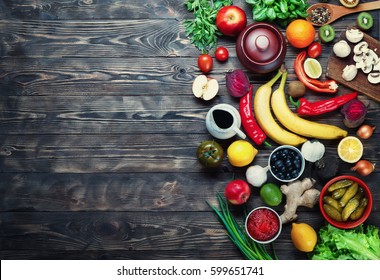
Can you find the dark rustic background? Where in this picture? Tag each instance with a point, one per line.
(98, 132)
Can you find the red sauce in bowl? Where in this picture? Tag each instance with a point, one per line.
(263, 224)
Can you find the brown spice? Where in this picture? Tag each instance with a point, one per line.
(320, 15)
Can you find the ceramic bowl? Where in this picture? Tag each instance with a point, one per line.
(286, 163)
(261, 47)
(349, 223)
(263, 225)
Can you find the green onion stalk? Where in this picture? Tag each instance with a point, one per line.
(249, 248)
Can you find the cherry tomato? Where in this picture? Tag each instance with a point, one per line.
(205, 63)
(210, 153)
(314, 50)
(221, 54)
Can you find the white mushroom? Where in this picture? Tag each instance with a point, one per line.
(354, 35)
(349, 72)
(374, 78)
(342, 49)
(361, 48)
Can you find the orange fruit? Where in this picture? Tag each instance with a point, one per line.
(300, 33)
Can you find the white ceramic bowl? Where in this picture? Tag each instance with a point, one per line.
(263, 225)
(286, 163)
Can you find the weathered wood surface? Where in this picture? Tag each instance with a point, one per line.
(98, 131)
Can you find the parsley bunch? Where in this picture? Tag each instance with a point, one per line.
(202, 30)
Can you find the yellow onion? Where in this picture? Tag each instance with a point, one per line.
(365, 131)
(364, 167)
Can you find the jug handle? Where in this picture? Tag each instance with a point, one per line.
(240, 133)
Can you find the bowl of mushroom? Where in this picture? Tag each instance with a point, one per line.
(364, 57)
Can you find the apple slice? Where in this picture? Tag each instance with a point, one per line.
(205, 88)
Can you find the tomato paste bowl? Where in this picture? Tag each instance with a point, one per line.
(263, 225)
(363, 194)
(261, 47)
(286, 163)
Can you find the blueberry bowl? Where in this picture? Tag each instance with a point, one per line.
(286, 163)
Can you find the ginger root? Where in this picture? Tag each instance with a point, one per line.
(298, 193)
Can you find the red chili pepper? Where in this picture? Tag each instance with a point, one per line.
(248, 121)
(305, 107)
(328, 86)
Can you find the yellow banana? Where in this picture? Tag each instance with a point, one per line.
(297, 124)
(264, 117)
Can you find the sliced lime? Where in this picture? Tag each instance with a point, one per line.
(312, 68)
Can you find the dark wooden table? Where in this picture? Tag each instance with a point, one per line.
(98, 132)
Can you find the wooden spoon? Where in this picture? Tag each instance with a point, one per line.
(337, 11)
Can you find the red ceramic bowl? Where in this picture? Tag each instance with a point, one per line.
(261, 47)
(349, 223)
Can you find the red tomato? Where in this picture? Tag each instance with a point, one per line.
(221, 54)
(314, 50)
(205, 63)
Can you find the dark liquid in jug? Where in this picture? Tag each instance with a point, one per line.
(222, 118)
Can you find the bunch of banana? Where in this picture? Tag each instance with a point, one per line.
(297, 127)
(297, 124)
(264, 117)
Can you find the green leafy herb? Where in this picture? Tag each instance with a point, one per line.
(360, 243)
(250, 249)
(202, 30)
(281, 11)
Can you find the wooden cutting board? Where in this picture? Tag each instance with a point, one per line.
(360, 84)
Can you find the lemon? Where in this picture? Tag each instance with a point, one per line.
(304, 237)
(312, 68)
(350, 149)
(241, 153)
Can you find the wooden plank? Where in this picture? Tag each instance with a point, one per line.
(89, 10)
(95, 38)
(121, 231)
(129, 191)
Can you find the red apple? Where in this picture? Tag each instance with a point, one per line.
(237, 192)
(230, 20)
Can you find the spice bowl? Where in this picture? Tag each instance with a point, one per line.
(261, 47)
(286, 163)
(330, 191)
(263, 225)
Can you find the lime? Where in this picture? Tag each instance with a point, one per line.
(350, 149)
(271, 194)
(312, 68)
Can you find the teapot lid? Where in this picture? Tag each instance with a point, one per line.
(263, 43)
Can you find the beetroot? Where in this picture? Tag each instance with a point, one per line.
(354, 113)
(237, 83)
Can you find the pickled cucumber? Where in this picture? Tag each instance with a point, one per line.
(332, 212)
(332, 202)
(359, 211)
(337, 194)
(351, 206)
(340, 184)
(350, 193)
